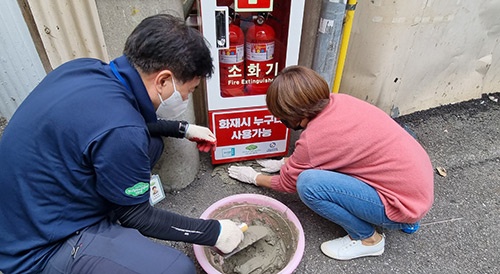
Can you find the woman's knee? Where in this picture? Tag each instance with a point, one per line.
(305, 183)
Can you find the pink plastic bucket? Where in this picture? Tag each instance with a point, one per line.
(261, 200)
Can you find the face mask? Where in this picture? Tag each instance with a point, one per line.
(173, 107)
(288, 125)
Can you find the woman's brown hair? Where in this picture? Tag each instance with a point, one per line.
(296, 93)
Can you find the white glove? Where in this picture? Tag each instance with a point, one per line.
(245, 174)
(271, 166)
(204, 138)
(230, 236)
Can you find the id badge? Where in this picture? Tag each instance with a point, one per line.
(156, 193)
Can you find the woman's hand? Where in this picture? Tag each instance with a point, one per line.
(271, 166)
(244, 174)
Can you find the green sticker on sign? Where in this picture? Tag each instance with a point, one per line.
(251, 147)
(138, 189)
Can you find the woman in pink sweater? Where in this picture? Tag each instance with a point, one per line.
(353, 164)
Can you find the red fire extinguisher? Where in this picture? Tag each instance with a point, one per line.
(259, 52)
(232, 62)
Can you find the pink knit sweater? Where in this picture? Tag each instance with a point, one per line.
(353, 137)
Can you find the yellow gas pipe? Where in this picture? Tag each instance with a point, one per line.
(346, 33)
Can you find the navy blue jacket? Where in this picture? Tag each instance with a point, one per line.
(76, 147)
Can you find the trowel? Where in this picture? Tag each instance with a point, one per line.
(252, 234)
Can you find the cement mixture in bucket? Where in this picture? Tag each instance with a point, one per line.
(268, 255)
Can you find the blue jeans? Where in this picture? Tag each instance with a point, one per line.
(346, 201)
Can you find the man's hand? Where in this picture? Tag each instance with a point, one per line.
(230, 236)
(271, 166)
(245, 174)
(204, 138)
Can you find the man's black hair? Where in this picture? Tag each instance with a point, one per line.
(163, 41)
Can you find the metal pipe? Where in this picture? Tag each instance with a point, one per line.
(346, 34)
(328, 38)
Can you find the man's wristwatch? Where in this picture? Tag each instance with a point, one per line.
(183, 126)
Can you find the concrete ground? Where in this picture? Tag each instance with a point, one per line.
(460, 233)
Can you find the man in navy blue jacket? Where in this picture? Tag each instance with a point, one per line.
(76, 161)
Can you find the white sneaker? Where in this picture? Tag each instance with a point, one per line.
(346, 249)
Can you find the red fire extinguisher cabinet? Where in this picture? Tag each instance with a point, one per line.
(251, 42)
